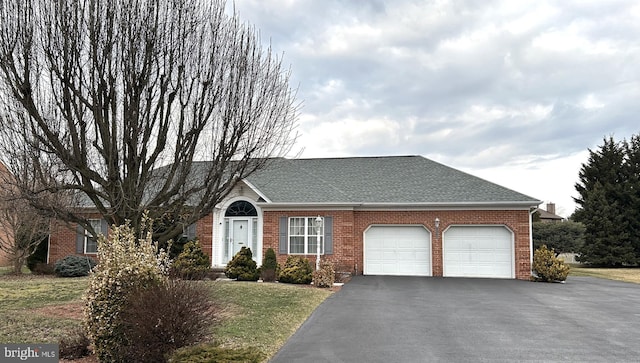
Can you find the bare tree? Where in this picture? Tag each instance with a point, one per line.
(127, 106)
(22, 228)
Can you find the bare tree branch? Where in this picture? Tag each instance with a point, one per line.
(114, 104)
(22, 228)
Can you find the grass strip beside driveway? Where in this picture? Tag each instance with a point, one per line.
(619, 274)
(263, 315)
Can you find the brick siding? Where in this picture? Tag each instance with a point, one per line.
(204, 228)
(62, 239)
(348, 234)
(349, 228)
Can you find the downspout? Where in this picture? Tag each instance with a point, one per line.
(533, 210)
(48, 246)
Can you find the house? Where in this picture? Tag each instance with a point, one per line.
(549, 215)
(397, 215)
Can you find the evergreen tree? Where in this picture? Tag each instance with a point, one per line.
(603, 206)
(561, 237)
(632, 191)
(606, 237)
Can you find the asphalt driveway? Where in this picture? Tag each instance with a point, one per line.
(418, 319)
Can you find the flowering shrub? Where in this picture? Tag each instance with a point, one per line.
(325, 276)
(297, 270)
(127, 264)
(548, 267)
(192, 263)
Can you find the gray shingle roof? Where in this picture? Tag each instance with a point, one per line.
(377, 180)
(546, 215)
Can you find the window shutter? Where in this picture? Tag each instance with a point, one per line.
(283, 240)
(191, 232)
(79, 239)
(328, 235)
(104, 227)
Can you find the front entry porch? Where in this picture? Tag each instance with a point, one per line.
(240, 227)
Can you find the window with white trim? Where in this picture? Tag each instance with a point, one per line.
(303, 238)
(91, 243)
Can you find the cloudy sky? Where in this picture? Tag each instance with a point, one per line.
(514, 92)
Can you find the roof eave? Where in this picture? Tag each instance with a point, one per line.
(507, 205)
(404, 206)
(308, 206)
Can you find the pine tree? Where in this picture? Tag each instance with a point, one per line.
(604, 206)
(632, 191)
(606, 237)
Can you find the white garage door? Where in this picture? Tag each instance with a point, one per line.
(478, 251)
(397, 250)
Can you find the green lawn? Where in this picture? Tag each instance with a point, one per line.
(264, 315)
(22, 319)
(255, 316)
(620, 274)
(6, 270)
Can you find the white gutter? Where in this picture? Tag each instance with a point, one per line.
(402, 206)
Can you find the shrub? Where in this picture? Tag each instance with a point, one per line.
(127, 264)
(75, 345)
(159, 319)
(325, 276)
(548, 267)
(192, 263)
(175, 246)
(343, 272)
(74, 266)
(297, 270)
(42, 268)
(270, 267)
(242, 266)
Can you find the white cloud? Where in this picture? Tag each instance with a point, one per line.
(574, 39)
(337, 138)
(549, 180)
(519, 21)
(515, 90)
(590, 102)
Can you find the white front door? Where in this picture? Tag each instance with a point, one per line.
(239, 235)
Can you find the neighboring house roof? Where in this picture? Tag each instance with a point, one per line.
(388, 180)
(544, 215)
